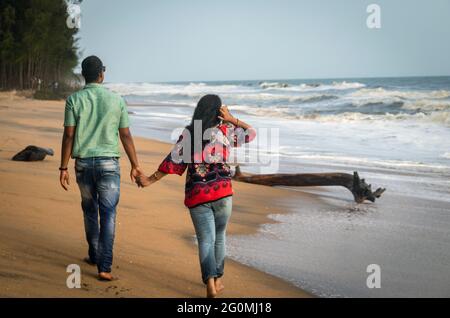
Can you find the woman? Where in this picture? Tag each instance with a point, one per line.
(208, 191)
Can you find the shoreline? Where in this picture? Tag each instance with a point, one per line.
(42, 232)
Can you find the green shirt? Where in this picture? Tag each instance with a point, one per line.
(97, 114)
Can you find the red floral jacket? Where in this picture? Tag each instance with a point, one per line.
(208, 175)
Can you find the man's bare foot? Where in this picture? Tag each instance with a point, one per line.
(106, 276)
(219, 285)
(211, 289)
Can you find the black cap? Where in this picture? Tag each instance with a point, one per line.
(91, 68)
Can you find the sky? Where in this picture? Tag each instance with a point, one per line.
(208, 40)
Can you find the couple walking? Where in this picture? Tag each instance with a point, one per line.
(96, 118)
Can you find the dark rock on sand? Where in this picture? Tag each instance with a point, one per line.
(33, 153)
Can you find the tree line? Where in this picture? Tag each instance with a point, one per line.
(37, 48)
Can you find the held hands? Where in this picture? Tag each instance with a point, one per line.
(145, 181)
(136, 173)
(138, 176)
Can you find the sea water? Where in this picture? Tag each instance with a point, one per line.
(394, 131)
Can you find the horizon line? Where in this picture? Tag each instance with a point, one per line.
(281, 79)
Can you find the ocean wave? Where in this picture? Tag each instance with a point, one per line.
(427, 105)
(396, 105)
(313, 98)
(434, 117)
(186, 90)
(347, 85)
(311, 86)
(322, 87)
(382, 93)
(419, 101)
(438, 117)
(386, 103)
(280, 98)
(266, 91)
(266, 85)
(385, 163)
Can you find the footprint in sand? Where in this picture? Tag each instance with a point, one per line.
(118, 291)
(109, 288)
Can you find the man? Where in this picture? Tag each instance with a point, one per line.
(94, 119)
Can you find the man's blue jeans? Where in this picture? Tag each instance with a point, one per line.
(99, 183)
(210, 222)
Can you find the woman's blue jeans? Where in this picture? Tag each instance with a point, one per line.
(210, 222)
(99, 183)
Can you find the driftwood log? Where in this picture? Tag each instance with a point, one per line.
(33, 153)
(358, 187)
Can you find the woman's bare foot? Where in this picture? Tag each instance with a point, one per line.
(211, 288)
(105, 276)
(219, 285)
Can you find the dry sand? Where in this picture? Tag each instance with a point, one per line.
(41, 226)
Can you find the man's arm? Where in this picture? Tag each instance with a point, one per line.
(128, 145)
(66, 152)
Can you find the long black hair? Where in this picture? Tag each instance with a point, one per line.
(207, 111)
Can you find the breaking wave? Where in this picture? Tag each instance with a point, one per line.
(338, 101)
(311, 86)
(404, 95)
(442, 118)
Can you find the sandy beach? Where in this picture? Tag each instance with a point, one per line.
(41, 226)
(348, 192)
